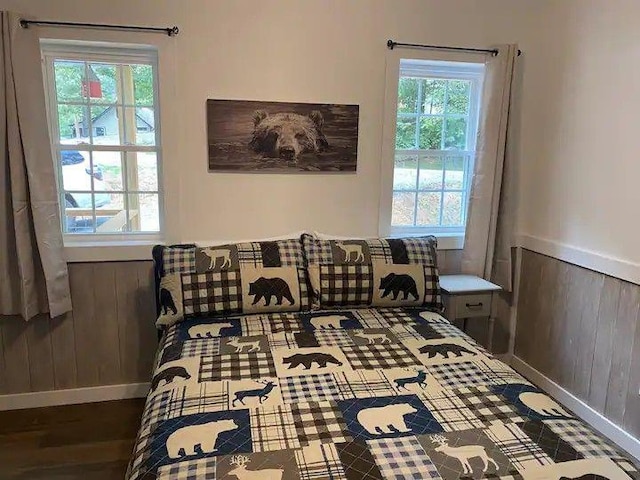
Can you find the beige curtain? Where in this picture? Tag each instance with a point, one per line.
(489, 232)
(33, 272)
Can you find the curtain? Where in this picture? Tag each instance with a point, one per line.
(33, 270)
(491, 216)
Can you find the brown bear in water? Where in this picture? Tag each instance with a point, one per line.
(287, 135)
(270, 287)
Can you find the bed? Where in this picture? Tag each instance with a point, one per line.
(349, 393)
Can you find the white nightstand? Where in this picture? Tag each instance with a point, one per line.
(468, 296)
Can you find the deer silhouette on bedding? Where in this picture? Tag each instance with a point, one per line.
(261, 393)
(464, 454)
(241, 472)
(254, 345)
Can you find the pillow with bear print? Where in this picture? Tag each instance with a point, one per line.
(399, 272)
(241, 278)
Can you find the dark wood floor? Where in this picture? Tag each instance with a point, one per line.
(91, 441)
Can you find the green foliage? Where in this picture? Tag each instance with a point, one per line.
(433, 96)
(430, 133)
(69, 78)
(143, 85)
(408, 95)
(458, 97)
(455, 133)
(439, 99)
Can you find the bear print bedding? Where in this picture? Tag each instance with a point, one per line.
(386, 393)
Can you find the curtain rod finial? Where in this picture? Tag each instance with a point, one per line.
(390, 44)
(24, 23)
(173, 31)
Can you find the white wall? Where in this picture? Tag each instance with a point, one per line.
(286, 50)
(581, 131)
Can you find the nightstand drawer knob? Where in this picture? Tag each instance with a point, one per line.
(474, 305)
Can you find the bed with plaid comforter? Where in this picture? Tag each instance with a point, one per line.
(353, 394)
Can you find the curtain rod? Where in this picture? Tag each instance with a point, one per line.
(391, 45)
(171, 31)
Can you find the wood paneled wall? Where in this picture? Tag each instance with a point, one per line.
(108, 339)
(581, 329)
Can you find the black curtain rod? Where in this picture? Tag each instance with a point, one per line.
(171, 31)
(391, 45)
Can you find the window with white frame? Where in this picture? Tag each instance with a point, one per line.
(437, 112)
(102, 107)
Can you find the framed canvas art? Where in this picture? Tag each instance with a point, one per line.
(254, 136)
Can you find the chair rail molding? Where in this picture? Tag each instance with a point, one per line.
(599, 262)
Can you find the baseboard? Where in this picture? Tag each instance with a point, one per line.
(584, 411)
(599, 262)
(503, 357)
(72, 396)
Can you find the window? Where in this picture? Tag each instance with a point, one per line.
(436, 109)
(107, 168)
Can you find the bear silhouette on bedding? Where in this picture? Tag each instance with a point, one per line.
(397, 283)
(168, 374)
(588, 476)
(186, 439)
(306, 359)
(385, 419)
(270, 287)
(287, 135)
(166, 302)
(444, 349)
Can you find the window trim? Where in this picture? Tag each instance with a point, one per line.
(97, 52)
(448, 237)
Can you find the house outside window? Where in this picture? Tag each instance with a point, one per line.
(434, 110)
(108, 170)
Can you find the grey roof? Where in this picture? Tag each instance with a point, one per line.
(145, 114)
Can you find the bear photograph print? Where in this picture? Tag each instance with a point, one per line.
(253, 136)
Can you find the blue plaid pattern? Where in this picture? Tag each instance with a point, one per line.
(402, 458)
(309, 388)
(311, 424)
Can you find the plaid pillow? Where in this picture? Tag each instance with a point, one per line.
(377, 272)
(253, 277)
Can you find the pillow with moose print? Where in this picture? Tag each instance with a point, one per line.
(241, 278)
(398, 272)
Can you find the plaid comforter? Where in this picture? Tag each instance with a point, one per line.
(353, 394)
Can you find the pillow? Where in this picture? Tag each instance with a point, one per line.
(251, 277)
(399, 272)
(287, 236)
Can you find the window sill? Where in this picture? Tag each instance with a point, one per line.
(112, 251)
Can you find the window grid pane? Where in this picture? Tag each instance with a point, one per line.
(438, 133)
(434, 207)
(433, 131)
(95, 96)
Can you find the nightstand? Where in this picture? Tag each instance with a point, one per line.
(468, 296)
